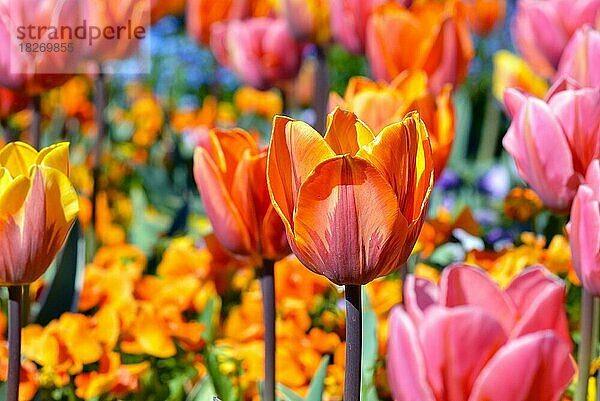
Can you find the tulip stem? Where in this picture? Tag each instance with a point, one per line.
(267, 285)
(585, 345)
(321, 94)
(353, 343)
(36, 121)
(100, 100)
(15, 295)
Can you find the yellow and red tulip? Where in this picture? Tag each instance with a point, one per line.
(230, 173)
(38, 205)
(353, 203)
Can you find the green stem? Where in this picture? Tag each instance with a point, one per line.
(585, 345)
(15, 295)
(353, 343)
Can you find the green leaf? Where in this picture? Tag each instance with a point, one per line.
(287, 394)
(202, 391)
(224, 388)
(369, 350)
(62, 295)
(317, 384)
(210, 318)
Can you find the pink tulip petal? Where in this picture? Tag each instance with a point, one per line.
(457, 343)
(405, 365)
(539, 297)
(467, 285)
(419, 294)
(534, 367)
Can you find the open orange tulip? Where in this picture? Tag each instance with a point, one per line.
(379, 104)
(353, 203)
(230, 173)
(38, 205)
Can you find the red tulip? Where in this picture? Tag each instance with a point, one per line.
(11, 102)
(349, 22)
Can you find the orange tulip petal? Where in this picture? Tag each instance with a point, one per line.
(394, 152)
(228, 225)
(226, 148)
(296, 149)
(346, 133)
(346, 213)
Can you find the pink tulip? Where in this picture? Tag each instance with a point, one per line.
(584, 230)
(34, 72)
(542, 29)
(349, 22)
(553, 141)
(468, 340)
(581, 58)
(533, 301)
(261, 51)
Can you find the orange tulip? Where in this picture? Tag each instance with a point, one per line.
(379, 104)
(202, 14)
(230, 173)
(440, 43)
(352, 203)
(113, 13)
(485, 15)
(38, 204)
(162, 8)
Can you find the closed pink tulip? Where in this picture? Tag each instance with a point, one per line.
(542, 29)
(34, 72)
(467, 346)
(584, 230)
(553, 141)
(349, 22)
(581, 58)
(261, 51)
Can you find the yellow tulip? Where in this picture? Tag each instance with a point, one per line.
(38, 205)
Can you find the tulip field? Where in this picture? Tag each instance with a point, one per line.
(300, 200)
